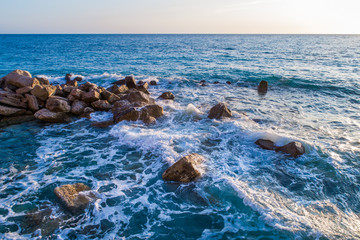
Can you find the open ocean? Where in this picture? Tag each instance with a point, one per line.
(246, 192)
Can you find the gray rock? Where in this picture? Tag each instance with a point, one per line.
(265, 144)
(295, 149)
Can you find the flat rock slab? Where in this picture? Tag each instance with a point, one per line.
(184, 170)
(74, 196)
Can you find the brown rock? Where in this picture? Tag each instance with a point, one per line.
(149, 120)
(59, 91)
(67, 88)
(117, 89)
(43, 81)
(136, 96)
(295, 149)
(126, 115)
(75, 94)
(72, 83)
(103, 124)
(265, 144)
(11, 111)
(263, 87)
(130, 82)
(91, 96)
(120, 82)
(143, 88)
(185, 169)
(87, 86)
(23, 90)
(58, 104)
(43, 92)
(110, 97)
(101, 105)
(78, 107)
(32, 102)
(68, 76)
(74, 196)
(167, 95)
(12, 101)
(154, 111)
(54, 117)
(153, 82)
(20, 78)
(219, 111)
(87, 112)
(78, 79)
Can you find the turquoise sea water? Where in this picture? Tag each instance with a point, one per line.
(246, 192)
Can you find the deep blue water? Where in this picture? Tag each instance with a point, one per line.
(246, 192)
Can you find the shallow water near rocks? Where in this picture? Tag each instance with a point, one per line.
(246, 192)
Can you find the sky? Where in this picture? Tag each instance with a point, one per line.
(181, 16)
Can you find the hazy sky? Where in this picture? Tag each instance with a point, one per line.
(180, 16)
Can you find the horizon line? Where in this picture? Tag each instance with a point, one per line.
(179, 33)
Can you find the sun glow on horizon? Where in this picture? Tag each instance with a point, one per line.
(181, 16)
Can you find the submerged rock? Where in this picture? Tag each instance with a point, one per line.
(219, 111)
(265, 144)
(263, 87)
(295, 149)
(54, 117)
(103, 124)
(6, 121)
(184, 170)
(167, 95)
(74, 197)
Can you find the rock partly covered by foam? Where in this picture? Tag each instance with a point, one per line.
(265, 144)
(220, 110)
(185, 169)
(167, 95)
(20, 78)
(295, 149)
(75, 197)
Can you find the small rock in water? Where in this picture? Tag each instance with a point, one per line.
(219, 111)
(153, 82)
(202, 81)
(78, 79)
(216, 82)
(228, 82)
(73, 196)
(263, 87)
(295, 149)
(184, 170)
(167, 95)
(265, 144)
(68, 76)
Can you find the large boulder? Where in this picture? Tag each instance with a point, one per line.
(43, 91)
(75, 197)
(219, 111)
(136, 96)
(295, 149)
(90, 97)
(58, 104)
(101, 105)
(43, 81)
(130, 82)
(265, 144)
(130, 114)
(75, 94)
(154, 111)
(185, 169)
(263, 87)
(32, 102)
(11, 111)
(20, 78)
(54, 117)
(167, 95)
(78, 107)
(13, 101)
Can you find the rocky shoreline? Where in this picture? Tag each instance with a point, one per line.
(25, 98)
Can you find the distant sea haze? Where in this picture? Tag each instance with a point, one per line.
(245, 192)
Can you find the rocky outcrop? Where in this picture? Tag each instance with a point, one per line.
(167, 95)
(263, 87)
(265, 144)
(295, 149)
(219, 111)
(43, 91)
(20, 78)
(110, 97)
(75, 197)
(143, 87)
(54, 117)
(43, 81)
(184, 170)
(58, 104)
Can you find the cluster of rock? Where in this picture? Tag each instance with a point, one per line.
(23, 95)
